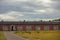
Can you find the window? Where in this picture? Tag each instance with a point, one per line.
(19, 28)
(55, 27)
(28, 27)
(46, 27)
(5, 28)
(37, 27)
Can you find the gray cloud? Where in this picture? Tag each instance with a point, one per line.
(56, 4)
(27, 8)
(41, 16)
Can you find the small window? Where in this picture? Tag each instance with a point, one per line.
(19, 28)
(37, 27)
(28, 28)
(46, 27)
(55, 27)
(5, 28)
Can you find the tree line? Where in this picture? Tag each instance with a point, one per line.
(56, 20)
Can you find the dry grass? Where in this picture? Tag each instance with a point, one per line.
(2, 36)
(40, 35)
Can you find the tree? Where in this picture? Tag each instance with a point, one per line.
(56, 20)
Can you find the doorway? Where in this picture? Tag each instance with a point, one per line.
(12, 28)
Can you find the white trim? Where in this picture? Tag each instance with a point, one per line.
(46, 27)
(5, 28)
(37, 28)
(13, 27)
(55, 27)
(28, 27)
(19, 28)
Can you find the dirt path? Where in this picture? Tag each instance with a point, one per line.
(10, 36)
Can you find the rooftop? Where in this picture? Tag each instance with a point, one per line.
(29, 22)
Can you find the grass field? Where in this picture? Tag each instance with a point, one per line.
(2, 36)
(39, 35)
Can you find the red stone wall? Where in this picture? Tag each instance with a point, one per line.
(33, 26)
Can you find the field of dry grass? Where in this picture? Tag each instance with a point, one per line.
(2, 36)
(39, 35)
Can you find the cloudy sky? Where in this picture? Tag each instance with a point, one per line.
(29, 9)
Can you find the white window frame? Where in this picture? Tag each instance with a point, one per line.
(46, 27)
(37, 28)
(13, 27)
(19, 28)
(55, 27)
(28, 27)
(5, 28)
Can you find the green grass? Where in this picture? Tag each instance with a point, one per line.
(2, 36)
(40, 35)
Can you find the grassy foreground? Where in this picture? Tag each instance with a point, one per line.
(39, 35)
(2, 36)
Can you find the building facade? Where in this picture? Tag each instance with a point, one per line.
(28, 25)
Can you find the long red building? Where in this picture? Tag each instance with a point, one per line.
(29, 25)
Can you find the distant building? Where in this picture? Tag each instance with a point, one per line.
(29, 25)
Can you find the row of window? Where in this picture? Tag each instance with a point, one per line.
(37, 28)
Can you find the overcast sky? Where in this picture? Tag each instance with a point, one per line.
(29, 9)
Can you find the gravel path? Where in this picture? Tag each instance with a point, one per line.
(11, 36)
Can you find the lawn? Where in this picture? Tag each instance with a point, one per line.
(39, 35)
(2, 36)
